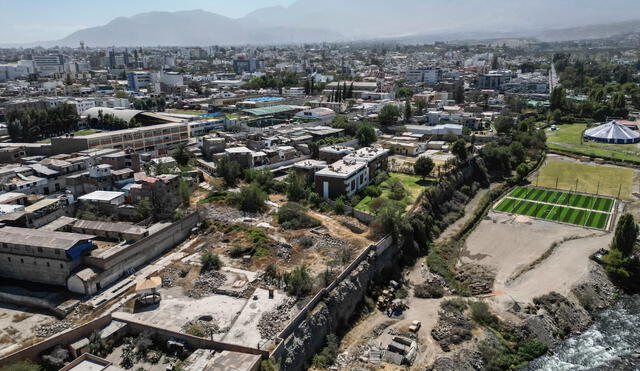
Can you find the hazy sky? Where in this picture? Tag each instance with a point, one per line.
(24, 21)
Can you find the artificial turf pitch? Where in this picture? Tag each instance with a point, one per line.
(582, 210)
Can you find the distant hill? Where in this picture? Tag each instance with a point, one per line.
(599, 31)
(349, 20)
(189, 28)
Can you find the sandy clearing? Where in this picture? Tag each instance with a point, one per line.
(509, 245)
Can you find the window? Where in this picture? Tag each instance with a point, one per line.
(48, 264)
(39, 248)
(22, 261)
(9, 259)
(61, 266)
(57, 252)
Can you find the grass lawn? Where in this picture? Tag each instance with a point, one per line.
(569, 138)
(187, 112)
(80, 133)
(412, 184)
(611, 179)
(578, 209)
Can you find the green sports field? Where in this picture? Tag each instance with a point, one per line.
(579, 209)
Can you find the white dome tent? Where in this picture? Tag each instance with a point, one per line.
(612, 132)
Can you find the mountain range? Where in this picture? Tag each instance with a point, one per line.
(350, 20)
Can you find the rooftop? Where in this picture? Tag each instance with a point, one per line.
(41, 238)
(101, 196)
(273, 110)
(342, 169)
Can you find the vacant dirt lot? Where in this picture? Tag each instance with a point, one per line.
(531, 257)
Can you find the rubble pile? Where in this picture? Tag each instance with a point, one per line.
(452, 328)
(227, 214)
(208, 327)
(206, 284)
(476, 277)
(171, 276)
(52, 328)
(283, 251)
(272, 322)
(326, 241)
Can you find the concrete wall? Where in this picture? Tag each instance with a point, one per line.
(132, 327)
(36, 269)
(64, 338)
(332, 308)
(142, 251)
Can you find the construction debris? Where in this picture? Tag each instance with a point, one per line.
(272, 322)
(206, 284)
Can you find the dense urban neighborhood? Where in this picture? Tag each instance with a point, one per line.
(448, 205)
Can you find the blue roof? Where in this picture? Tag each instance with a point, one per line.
(213, 114)
(264, 99)
(76, 251)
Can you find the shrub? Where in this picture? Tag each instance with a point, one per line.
(195, 330)
(372, 191)
(263, 177)
(250, 198)
(428, 291)
(396, 190)
(314, 198)
(271, 271)
(296, 186)
(328, 354)
(338, 206)
(481, 314)
(261, 252)
(210, 261)
(456, 305)
(292, 215)
(258, 236)
(299, 282)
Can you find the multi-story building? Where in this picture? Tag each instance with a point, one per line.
(493, 80)
(158, 138)
(352, 173)
(137, 80)
(39, 255)
(47, 65)
(427, 75)
(247, 65)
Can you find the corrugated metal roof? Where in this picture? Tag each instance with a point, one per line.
(265, 111)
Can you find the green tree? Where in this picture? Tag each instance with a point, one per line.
(366, 134)
(407, 110)
(250, 198)
(625, 235)
(296, 186)
(423, 166)
(299, 282)
(185, 191)
(504, 124)
(558, 99)
(459, 149)
(182, 155)
(229, 171)
(421, 104)
(389, 115)
(522, 170)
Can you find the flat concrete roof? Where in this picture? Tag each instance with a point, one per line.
(41, 238)
(101, 196)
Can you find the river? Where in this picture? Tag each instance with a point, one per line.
(611, 343)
